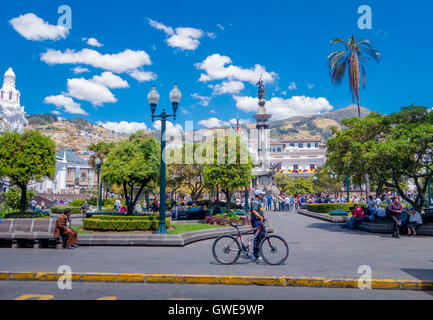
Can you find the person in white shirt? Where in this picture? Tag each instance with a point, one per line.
(415, 221)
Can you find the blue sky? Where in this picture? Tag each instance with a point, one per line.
(215, 57)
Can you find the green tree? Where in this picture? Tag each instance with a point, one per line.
(353, 58)
(26, 157)
(13, 198)
(131, 164)
(186, 176)
(281, 180)
(328, 181)
(300, 185)
(390, 148)
(231, 174)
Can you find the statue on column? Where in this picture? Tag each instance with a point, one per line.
(262, 91)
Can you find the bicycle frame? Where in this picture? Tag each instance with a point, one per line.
(244, 248)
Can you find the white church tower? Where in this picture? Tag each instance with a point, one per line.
(12, 115)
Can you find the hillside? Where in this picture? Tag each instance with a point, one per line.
(75, 134)
(78, 134)
(314, 126)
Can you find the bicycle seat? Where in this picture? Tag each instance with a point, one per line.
(235, 225)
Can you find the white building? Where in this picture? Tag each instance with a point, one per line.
(12, 115)
(298, 156)
(73, 176)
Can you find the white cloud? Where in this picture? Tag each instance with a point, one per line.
(93, 42)
(284, 93)
(184, 111)
(69, 105)
(182, 38)
(213, 111)
(204, 101)
(231, 87)
(31, 27)
(292, 86)
(310, 86)
(142, 75)
(213, 123)
(80, 69)
(110, 80)
(56, 112)
(120, 62)
(123, 127)
(170, 127)
(220, 26)
(215, 69)
(285, 108)
(241, 121)
(95, 93)
(211, 35)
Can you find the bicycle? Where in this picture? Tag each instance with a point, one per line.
(227, 249)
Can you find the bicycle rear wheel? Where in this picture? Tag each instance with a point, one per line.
(226, 250)
(274, 250)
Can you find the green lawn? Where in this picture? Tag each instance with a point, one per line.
(182, 228)
(80, 230)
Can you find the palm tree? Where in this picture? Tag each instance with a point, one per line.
(354, 57)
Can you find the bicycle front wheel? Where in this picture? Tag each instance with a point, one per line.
(274, 250)
(226, 250)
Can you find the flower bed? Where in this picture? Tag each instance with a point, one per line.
(226, 220)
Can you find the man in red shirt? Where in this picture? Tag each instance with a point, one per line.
(357, 218)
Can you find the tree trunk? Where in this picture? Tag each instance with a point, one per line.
(23, 201)
(228, 201)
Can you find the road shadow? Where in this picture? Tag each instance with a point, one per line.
(421, 274)
(334, 227)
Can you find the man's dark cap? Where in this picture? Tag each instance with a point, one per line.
(67, 211)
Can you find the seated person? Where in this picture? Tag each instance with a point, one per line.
(368, 214)
(174, 211)
(91, 210)
(62, 227)
(381, 213)
(217, 210)
(357, 218)
(415, 221)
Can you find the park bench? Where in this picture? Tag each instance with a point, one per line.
(28, 233)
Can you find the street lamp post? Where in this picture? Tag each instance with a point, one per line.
(153, 99)
(428, 160)
(98, 168)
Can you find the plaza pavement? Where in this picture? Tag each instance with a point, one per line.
(317, 249)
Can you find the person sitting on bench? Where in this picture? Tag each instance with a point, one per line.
(63, 228)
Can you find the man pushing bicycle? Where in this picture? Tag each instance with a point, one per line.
(257, 218)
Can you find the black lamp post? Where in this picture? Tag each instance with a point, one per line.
(428, 160)
(153, 98)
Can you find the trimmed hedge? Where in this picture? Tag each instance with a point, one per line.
(77, 203)
(27, 215)
(329, 207)
(122, 225)
(74, 210)
(123, 217)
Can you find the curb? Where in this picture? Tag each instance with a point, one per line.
(383, 284)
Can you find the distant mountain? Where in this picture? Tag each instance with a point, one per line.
(78, 134)
(75, 134)
(313, 126)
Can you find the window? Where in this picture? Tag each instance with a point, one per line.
(312, 166)
(300, 145)
(316, 145)
(295, 167)
(83, 177)
(292, 145)
(279, 149)
(308, 145)
(10, 95)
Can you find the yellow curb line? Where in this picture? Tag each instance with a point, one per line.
(384, 284)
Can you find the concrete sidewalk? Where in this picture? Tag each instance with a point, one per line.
(317, 249)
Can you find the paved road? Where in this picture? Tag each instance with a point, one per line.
(133, 291)
(317, 248)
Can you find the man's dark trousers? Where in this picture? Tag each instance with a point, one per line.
(258, 238)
